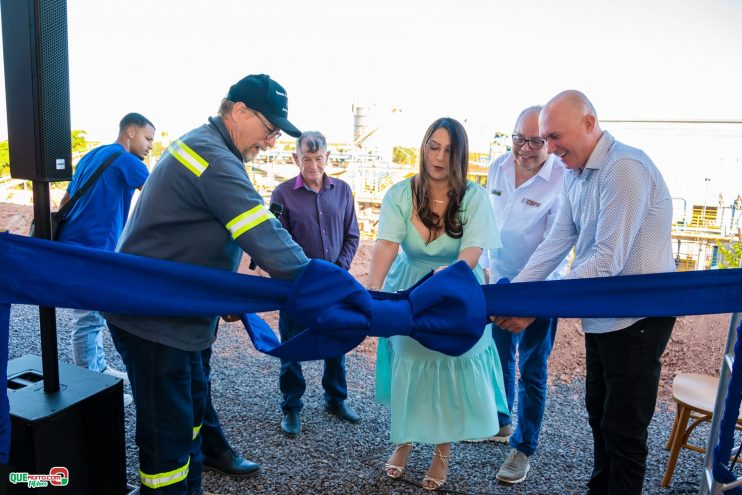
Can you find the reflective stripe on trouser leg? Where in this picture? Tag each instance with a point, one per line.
(160, 480)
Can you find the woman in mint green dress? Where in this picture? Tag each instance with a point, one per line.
(437, 217)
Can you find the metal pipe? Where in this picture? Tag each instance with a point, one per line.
(47, 316)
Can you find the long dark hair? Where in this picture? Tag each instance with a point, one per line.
(458, 169)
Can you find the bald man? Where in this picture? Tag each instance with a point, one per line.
(616, 212)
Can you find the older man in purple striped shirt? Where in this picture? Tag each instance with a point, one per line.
(319, 213)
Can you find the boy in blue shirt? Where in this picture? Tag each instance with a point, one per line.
(98, 217)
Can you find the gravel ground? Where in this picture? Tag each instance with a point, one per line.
(334, 457)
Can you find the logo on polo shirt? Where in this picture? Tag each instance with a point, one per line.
(496, 192)
(530, 202)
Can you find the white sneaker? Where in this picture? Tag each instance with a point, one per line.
(128, 399)
(116, 373)
(502, 436)
(515, 468)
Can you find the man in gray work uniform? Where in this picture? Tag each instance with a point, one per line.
(198, 207)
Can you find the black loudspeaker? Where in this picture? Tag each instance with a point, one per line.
(73, 439)
(37, 89)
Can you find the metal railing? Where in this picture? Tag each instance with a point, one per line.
(708, 484)
(8, 182)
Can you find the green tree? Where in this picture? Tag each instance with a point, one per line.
(158, 148)
(4, 158)
(79, 141)
(731, 254)
(403, 155)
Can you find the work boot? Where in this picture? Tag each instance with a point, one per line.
(342, 411)
(230, 463)
(291, 423)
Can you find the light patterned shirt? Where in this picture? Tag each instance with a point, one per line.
(617, 214)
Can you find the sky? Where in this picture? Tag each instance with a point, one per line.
(478, 61)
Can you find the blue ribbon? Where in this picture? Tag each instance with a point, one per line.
(658, 294)
(35, 271)
(445, 312)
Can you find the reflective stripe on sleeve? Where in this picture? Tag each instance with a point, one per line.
(187, 157)
(245, 221)
(160, 480)
(196, 430)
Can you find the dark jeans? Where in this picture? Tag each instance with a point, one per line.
(623, 372)
(213, 441)
(291, 380)
(534, 346)
(169, 387)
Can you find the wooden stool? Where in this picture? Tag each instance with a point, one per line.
(694, 396)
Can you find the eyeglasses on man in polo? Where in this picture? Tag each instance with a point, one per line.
(535, 143)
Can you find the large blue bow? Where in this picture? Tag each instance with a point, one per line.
(445, 312)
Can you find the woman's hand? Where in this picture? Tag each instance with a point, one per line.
(381, 260)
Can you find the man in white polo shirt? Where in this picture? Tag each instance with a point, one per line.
(524, 187)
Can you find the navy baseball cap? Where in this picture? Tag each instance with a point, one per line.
(262, 94)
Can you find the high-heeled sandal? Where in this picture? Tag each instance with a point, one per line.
(396, 472)
(436, 483)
